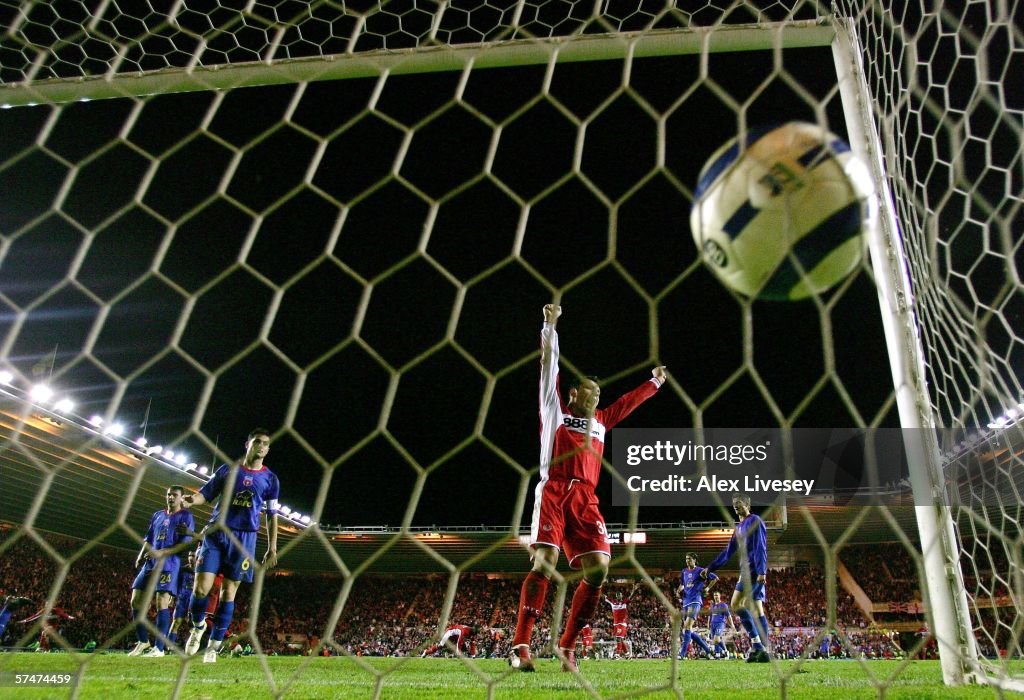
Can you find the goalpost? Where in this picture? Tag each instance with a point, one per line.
(946, 595)
(928, 99)
(906, 288)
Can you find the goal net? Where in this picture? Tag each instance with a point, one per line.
(341, 220)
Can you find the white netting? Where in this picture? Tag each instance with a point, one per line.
(951, 126)
(359, 264)
(79, 39)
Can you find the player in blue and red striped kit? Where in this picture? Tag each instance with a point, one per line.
(243, 492)
(565, 510)
(170, 532)
(751, 537)
(186, 581)
(692, 584)
(720, 615)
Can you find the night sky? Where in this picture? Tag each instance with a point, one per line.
(152, 257)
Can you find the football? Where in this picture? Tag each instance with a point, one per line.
(779, 213)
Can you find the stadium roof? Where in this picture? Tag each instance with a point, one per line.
(68, 479)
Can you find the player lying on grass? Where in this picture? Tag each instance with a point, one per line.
(457, 636)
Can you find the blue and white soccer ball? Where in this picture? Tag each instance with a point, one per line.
(780, 214)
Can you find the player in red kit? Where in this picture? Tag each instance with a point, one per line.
(215, 590)
(457, 635)
(587, 639)
(620, 620)
(50, 622)
(565, 510)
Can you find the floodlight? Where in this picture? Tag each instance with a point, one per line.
(40, 393)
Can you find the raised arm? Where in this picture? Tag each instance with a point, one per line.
(551, 313)
(549, 356)
(630, 401)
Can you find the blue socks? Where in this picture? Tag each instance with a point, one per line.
(694, 636)
(163, 623)
(222, 619)
(699, 641)
(197, 611)
(762, 623)
(748, 624)
(141, 633)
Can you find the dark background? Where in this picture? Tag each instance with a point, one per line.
(186, 250)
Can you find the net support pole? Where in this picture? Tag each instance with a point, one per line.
(946, 597)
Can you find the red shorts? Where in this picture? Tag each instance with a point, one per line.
(620, 630)
(566, 516)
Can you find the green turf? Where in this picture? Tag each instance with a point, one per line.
(111, 677)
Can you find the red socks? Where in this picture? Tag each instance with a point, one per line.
(531, 602)
(584, 605)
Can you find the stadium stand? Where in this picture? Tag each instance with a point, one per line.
(397, 615)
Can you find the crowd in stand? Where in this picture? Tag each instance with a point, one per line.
(94, 590)
(379, 616)
(798, 599)
(886, 572)
(864, 643)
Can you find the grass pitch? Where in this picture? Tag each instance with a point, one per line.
(114, 676)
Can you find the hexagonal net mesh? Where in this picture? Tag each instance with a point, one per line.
(950, 132)
(341, 221)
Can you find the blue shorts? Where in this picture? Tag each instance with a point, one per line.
(691, 610)
(219, 555)
(756, 593)
(181, 605)
(168, 581)
(717, 629)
